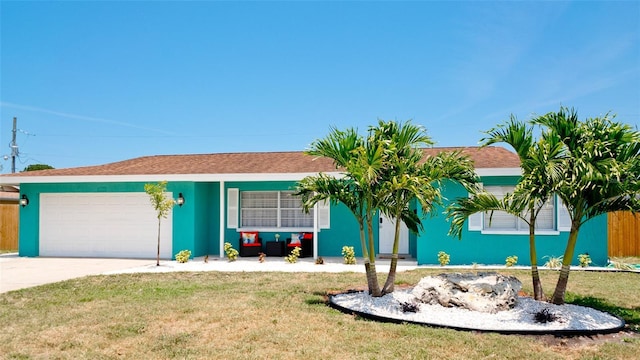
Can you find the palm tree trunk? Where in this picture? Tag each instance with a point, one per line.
(538, 294)
(158, 253)
(561, 285)
(391, 277)
(365, 256)
(372, 275)
(363, 243)
(372, 279)
(563, 279)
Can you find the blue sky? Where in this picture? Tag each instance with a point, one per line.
(96, 82)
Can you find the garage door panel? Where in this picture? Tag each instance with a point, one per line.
(102, 225)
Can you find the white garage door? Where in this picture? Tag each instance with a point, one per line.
(122, 225)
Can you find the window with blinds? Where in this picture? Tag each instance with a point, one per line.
(273, 209)
(503, 222)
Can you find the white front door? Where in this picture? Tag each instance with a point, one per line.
(386, 234)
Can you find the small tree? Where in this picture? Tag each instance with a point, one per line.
(36, 167)
(161, 204)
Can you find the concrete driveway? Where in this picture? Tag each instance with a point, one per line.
(23, 272)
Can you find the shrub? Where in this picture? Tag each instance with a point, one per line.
(554, 262)
(408, 306)
(443, 258)
(584, 260)
(511, 260)
(292, 258)
(349, 255)
(621, 264)
(545, 316)
(183, 256)
(232, 254)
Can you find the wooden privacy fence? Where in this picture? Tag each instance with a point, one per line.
(623, 234)
(9, 219)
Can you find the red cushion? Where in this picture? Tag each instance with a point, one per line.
(253, 244)
(307, 236)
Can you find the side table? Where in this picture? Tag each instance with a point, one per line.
(275, 248)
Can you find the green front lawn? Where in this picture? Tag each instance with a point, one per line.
(271, 316)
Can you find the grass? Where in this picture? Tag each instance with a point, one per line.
(269, 316)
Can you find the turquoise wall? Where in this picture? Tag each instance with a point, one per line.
(29, 234)
(344, 231)
(206, 219)
(474, 247)
(196, 226)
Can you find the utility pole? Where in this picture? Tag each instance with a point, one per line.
(14, 146)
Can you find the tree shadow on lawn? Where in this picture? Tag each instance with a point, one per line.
(631, 316)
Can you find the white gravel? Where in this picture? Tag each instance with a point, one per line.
(520, 318)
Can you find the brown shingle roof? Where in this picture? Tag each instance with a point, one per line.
(253, 163)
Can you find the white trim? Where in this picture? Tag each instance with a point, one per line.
(475, 222)
(499, 171)
(14, 180)
(315, 230)
(564, 218)
(233, 208)
(323, 210)
(513, 232)
(223, 216)
(274, 229)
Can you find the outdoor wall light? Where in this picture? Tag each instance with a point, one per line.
(180, 200)
(24, 200)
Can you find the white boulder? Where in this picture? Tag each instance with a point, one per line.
(485, 292)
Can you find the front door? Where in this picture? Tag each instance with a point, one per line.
(386, 234)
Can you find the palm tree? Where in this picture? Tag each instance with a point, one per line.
(400, 181)
(540, 163)
(512, 203)
(540, 167)
(383, 173)
(600, 173)
(422, 183)
(360, 163)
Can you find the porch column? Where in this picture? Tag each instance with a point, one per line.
(315, 231)
(223, 215)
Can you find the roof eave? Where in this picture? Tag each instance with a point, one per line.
(17, 180)
(499, 171)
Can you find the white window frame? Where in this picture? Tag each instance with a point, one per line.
(323, 210)
(520, 226)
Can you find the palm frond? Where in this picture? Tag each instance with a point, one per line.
(462, 208)
(513, 132)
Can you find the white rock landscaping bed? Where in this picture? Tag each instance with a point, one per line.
(572, 319)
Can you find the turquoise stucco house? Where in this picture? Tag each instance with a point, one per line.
(103, 211)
